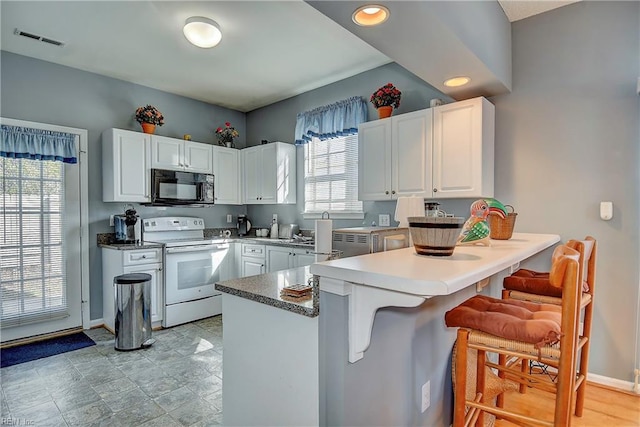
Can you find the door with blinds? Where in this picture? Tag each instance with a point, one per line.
(40, 256)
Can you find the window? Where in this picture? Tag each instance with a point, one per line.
(32, 271)
(331, 177)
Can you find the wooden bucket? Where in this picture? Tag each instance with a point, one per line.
(435, 236)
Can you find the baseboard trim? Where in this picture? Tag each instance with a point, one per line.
(96, 323)
(614, 383)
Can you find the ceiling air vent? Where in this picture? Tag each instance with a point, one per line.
(32, 36)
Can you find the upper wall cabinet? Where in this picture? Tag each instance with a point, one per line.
(394, 155)
(226, 171)
(180, 155)
(269, 174)
(126, 160)
(463, 153)
(441, 152)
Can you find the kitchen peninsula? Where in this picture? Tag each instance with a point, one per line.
(380, 335)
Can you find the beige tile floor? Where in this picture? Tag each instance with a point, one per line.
(175, 382)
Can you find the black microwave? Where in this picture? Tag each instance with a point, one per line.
(169, 188)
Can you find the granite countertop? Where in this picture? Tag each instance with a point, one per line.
(265, 289)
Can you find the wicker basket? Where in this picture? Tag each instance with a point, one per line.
(502, 229)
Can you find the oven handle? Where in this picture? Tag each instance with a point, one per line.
(197, 248)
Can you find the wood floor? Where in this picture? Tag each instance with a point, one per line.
(603, 407)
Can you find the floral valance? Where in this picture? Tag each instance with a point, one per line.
(37, 144)
(338, 119)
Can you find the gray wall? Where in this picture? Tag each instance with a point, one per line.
(567, 138)
(44, 92)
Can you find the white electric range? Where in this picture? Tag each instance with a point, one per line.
(192, 265)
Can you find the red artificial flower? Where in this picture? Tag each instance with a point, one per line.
(227, 124)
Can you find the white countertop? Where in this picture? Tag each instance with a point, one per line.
(405, 271)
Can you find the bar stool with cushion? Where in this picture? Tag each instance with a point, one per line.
(520, 329)
(527, 285)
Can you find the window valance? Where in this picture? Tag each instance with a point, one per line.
(37, 144)
(339, 119)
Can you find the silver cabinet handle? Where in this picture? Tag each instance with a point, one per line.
(393, 192)
(386, 192)
(435, 190)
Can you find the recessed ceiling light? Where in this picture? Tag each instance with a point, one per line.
(457, 81)
(202, 32)
(370, 15)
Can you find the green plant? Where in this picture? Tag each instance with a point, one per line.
(149, 114)
(387, 95)
(227, 133)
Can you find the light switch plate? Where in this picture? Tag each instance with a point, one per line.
(229, 218)
(275, 217)
(383, 220)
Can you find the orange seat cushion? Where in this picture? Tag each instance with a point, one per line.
(533, 282)
(532, 323)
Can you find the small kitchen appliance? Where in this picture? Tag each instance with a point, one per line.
(244, 225)
(364, 240)
(127, 226)
(175, 188)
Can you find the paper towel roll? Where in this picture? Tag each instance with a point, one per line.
(324, 237)
(408, 206)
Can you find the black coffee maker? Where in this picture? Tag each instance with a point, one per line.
(244, 225)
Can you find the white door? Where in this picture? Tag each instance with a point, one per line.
(374, 160)
(411, 154)
(457, 149)
(40, 272)
(157, 290)
(197, 157)
(272, 173)
(226, 169)
(167, 153)
(252, 266)
(278, 258)
(252, 175)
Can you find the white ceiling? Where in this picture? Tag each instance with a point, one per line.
(520, 9)
(270, 50)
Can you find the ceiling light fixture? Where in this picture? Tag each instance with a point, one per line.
(370, 15)
(202, 32)
(457, 81)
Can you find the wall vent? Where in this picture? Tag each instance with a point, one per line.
(32, 36)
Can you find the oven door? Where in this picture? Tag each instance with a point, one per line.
(191, 271)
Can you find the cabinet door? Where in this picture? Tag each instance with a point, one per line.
(411, 154)
(126, 175)
(374, 160)
(197, 157)
(157, 288)
(270, 172)
(252, 266)
(278, 258)
(226, 168)
(303, 257)
(167, 153)
(252, 175)
(463, 149)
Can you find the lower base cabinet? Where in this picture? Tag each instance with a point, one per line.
(253, 262)
(117, 262)
(282, 258)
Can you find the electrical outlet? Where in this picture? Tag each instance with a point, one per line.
(426, 396)
(111, 220)
(229, 218)
(275, 217)
(383, 220)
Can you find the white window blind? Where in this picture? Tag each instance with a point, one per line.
(331, 176)
(32, 276)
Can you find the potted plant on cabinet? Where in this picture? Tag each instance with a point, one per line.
(385, 99)
(149, 117)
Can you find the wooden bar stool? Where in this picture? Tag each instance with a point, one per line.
(524, 330)
(527, 285)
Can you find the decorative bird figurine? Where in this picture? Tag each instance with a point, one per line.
(476, 230)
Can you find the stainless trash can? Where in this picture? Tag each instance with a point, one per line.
(132, 311)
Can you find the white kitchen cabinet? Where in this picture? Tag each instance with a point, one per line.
(395, 157)
(177, 154)
(253, 259)
(226, 169)
(463, 149)
(126, 163)
(282, 258)
(441, 152)
(117, 262)
(269, 174)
